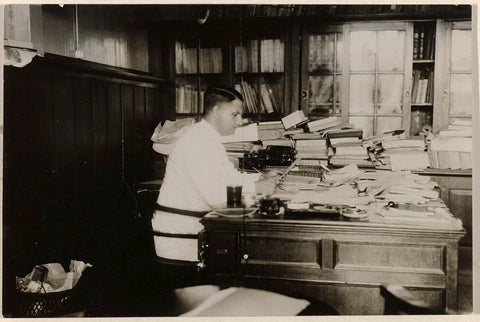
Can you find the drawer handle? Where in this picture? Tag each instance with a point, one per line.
(222, 251)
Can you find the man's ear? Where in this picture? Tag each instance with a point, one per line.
(215, 110)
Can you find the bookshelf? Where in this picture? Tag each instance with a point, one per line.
(260, 68)
(423, 72)
(199, 63)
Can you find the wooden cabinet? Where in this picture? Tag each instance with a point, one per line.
(456, 191)
(200, 60)
(377, 74)
(378, 66)
(453, 76)
(322, 70)
(342, 263)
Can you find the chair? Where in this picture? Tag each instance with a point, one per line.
(401, 301)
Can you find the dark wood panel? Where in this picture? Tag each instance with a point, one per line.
(282, 250)
(84, 141)
(140, 133)
(42, 139)
(380, 256)
(67, 174)
(114, 114)
(128, 116)
(461, 205)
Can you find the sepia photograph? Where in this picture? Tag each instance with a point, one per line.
(238, 160)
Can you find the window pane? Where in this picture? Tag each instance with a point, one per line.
(461, 58)
(386, 123)
(391, 50)
(460, 94)
(363, 50)
(337, 95)
(363, 122)
(390, 90)
(272, 55)
(361, 93)
(321, 89)
(321, 54)
(210, 60)
(339, 51)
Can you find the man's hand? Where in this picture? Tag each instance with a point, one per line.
(266, 185)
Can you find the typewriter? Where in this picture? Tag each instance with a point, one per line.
(272, 155)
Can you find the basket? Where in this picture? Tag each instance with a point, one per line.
(47, 304)
(53, 303)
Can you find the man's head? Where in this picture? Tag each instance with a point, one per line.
(223, 109)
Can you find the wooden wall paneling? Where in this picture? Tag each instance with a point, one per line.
(140, 132)
(43, 178)
(101, 159)
(152, 119)
(128, 136)
(461, 207)
(64, 129)
(114, 119)
(83, 142)
(17, 173)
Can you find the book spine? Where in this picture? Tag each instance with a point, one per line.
(416, 35)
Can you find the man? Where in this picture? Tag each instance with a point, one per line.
(196, 177)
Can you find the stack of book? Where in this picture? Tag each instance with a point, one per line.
(346, 147)
(452, 148)
(312, 151)
(404, 154)
(270, 130)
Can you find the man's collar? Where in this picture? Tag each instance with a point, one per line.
(210, 129)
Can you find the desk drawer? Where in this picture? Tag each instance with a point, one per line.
(402, 257)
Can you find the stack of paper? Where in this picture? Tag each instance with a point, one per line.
(452, 149)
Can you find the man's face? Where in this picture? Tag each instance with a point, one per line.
(230, 117)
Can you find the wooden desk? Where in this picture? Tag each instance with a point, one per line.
(340, 262)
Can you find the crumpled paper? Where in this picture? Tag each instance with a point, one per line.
(164, 137)
(171, 130)
(55, 279)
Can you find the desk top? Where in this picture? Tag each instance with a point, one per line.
(374, 223)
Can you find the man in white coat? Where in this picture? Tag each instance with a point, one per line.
(198, 171)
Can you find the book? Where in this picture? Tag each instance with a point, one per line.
(266, 98)
(294, 119)
(322, 124)
(314, 142)
(416, 36)
(350, 150)
(306, 136)
(421, 42)
(345, 140)
(343, 133)
(404, 143)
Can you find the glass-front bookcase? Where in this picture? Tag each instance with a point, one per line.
(259, 69)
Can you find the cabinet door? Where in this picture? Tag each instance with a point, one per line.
(454, 81)
(376, 92)
(322, 59)
(200, 62)
(260, 67)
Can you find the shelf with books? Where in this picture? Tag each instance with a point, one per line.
(259, 69)
(423, 75)
(199, 63)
